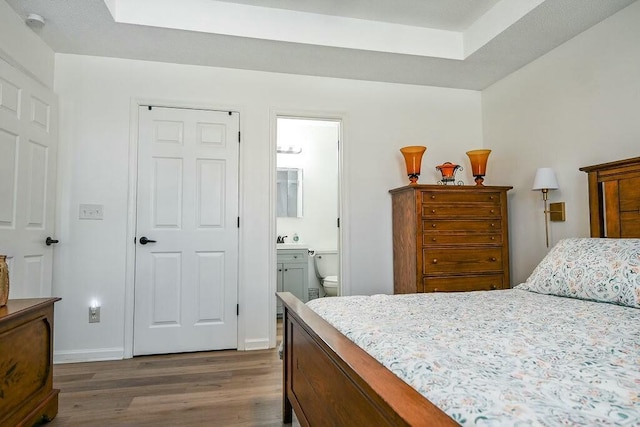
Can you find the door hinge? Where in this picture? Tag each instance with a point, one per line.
(238, 137)
(338, 222)
(149, 107)
(237, 309)
(238, 222)
(134, 241)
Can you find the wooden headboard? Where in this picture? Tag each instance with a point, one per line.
(614, 198)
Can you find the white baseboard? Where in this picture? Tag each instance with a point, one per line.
(261, 344)
(104, 354)
(97, 355)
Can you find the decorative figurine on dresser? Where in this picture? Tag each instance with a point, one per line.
(450, 238)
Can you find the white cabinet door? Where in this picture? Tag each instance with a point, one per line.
(186, 279)
(295, 278)
(293, 272)
(28, 148)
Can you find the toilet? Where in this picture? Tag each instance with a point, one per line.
(326, 266)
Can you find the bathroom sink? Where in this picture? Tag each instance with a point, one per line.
(292, 246)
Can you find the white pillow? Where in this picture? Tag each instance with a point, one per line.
(606, 270)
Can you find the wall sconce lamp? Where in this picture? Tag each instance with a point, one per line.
(544, 181)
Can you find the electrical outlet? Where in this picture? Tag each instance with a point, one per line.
(90, 211)
(94, 314)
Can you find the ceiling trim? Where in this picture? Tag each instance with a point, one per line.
(241, 20)
(499, 36)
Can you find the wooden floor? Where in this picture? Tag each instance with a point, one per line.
(222, 388)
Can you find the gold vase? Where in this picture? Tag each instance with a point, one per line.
(4, 281)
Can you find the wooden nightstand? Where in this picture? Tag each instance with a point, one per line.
(450, 238)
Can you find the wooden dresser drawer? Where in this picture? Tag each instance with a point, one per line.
(481, 226)
(461, 239)
(431, 210)
(463, 283)
(461, 260)
(459, 197)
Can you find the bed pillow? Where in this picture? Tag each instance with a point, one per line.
(606, 270)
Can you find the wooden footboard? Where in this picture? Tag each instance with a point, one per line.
(328, 380)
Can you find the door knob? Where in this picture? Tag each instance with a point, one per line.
(144, 240)
(50, 241)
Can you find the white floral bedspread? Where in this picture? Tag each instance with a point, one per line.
(507, 357)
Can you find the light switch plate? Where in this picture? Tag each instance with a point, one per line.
(91, 211)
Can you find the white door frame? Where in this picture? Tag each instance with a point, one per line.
(343, 231)
(130, 249)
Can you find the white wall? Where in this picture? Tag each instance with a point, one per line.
(575, 106)
(95, 97)
(24, 49)
(319, 163)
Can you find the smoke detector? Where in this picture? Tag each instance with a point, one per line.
(34, 21)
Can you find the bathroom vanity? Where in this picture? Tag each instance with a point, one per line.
(293, 273)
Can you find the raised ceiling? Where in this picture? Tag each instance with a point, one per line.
(467, 44)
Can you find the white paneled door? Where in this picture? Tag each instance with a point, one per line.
(186, 278)
(28, 146)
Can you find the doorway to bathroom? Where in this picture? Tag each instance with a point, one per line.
(307, 206)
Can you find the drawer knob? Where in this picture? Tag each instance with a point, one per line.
(435, 261)
(493, 258)
(490, 197)
(433, 196)
(435, 289)
(433, 239)
(295, 256)
(493, 225)
(433, 211)
(493, 211)
(494, 287)
(493, 237)
(433, 225)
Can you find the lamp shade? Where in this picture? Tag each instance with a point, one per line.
(545, 180)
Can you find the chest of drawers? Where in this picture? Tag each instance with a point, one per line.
(27, 395)
(450, 238)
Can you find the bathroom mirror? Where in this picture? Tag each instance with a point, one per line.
(289, 184)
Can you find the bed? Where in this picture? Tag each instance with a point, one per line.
(563, 348)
